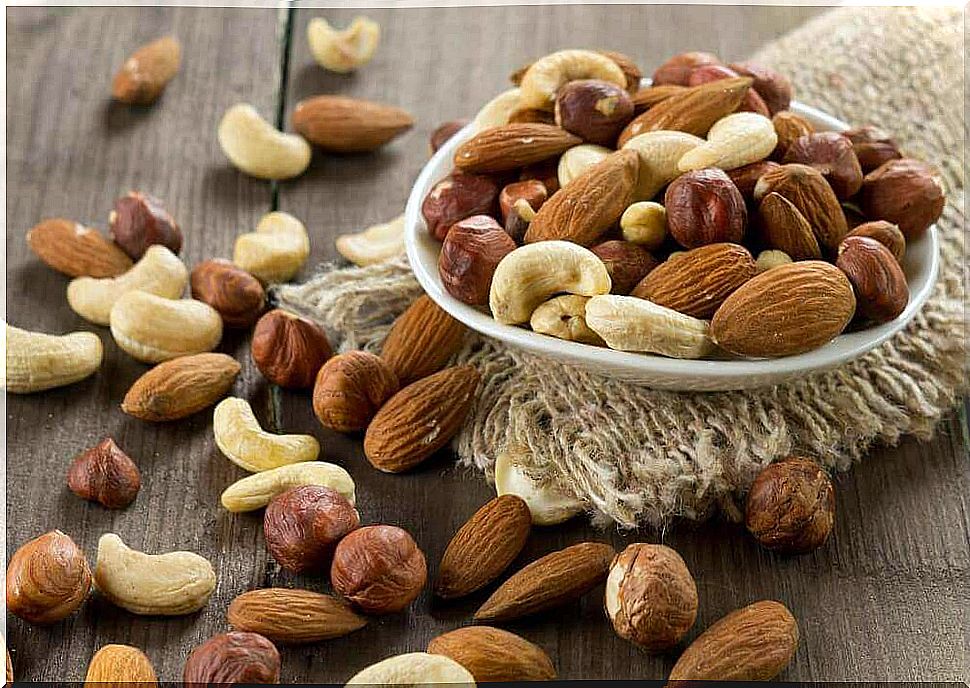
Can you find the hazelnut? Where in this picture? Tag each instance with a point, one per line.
(106, 475)
(774, 88)
(379, 568)
(878, 280)
(596, 111)
(139, 221)
(886, 233)
(235, 294)
(457, 196)
(234, 657)
(469, 255)
(789, 127)
(532, 190)
(288, 349)
(651, 597)
(831, 154)
(791, 506)
(531, 116)
(705, 207)
(517, 223)
(645, 223)
(626, 262)
(302, 526)
(350, 388)
(747, 176)
(47, 579)
(678, 68)
(906, 192)
(751, 102)
(443, 132)
(546, 172)
(872, 146)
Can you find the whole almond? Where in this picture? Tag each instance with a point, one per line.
(421, 340)
(349, 125)
(808, 191)
(180, 387)
(293, 616)
(491, 654)
(783, 227)
(484, 547)
(549, 582)
(119, 666)
(511, 146)
(646, 98)
(146, 73)
(76, 250)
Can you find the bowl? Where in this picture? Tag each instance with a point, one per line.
(921, 264)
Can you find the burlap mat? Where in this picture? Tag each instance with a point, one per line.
(637, 455)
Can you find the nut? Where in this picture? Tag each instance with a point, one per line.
(170, 584)
(76, 250)
(651, 597)
(547, 75)
(379, 569)
(886, 233)
(705, 74)
(705, 207)
(532, 191)
(375, 244)
(47, 579)
(771, 259)
(872, 146)
(547, 505)
(36, 361)
(782, 226)
(234, 657)
(520, 217)
(645, 223)
(147, 71)
(349, 125)
(629, 68)
(733, 141)
(289, 350)
(789, 127)
(276, 251)
(747, 176)
(456, 197)
(293, 616)
(577, 160)
(350, 388)
(646, 98)
(505, 148)
(659, 152)
(596, 111)
(773, 87)
(343, 50)
(414, 669)
(791, 506)
(469, 255)
(120, 665)
(105, 474)
(139, 221)
(496, 112)
(255, 147)
(678, 68)
(564, 317)
(239, 436)
(235, 294)
(831, 154)
(546, 172)
(626, 262)
(180, 387)
(443, 133)
(878, 280)
(492, 654)
(531, 116)
(812, 196)
(628, 323)
(257, 490)
(154, 329)
(302, 527)
(906, 192)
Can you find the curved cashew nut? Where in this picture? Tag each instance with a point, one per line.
(413, 669)
(159, 272)
(628, 323)
(257, 490)
(257, 148)
(346, 50)
(246, 444)
(375, 244)
(546, 75)
(152, 329)
(564, 317)
(533, 273)
(578, 159)
(36, 361)
(733, 141)
(276, 250)
(152, 584)
(659, 152)
(547, 505)
(496, 112)
(645, 223)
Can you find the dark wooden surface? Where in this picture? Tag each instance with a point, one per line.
(886, 599)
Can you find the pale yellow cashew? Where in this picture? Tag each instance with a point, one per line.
(36, 361)
(564, 317)
(733, 141)
(240, 437)
(276, 251)
(628, 323)
(578, 159)
(152, 329)
(544, 77)
(343, 51)
(257, 148)
(417, 669)
(496, 112)
(375, 244)
(660, 152)
(547, 505)
(257, 490)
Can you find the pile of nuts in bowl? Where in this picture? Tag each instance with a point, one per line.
(694, 217)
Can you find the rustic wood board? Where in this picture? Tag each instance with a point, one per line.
(885, 600)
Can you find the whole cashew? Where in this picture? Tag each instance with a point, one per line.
(496, 112)
(659, 152)
(578, 159)
(36, 361)
(257, 490)
(152, 329)
(414, 669)
(169, 584)
(531, 274)
(276, 250)
(257, 148)
(374, 244)
(246, 444)
(547, 74)
(564, 317)
(159, 272)
(346, 50)
(628, 323)
(733, 141)
(547, 505)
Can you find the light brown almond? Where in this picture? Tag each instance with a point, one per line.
(646, 98)
(421, 340)
(76, 250)
(789, 127)
(511, 146)
(146, 73)
(349, 125)
(120, 666)
(180, 387)
(808, 191)
(783, 227)
(491, 654)
(293, 616)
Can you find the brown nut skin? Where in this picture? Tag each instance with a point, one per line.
(147, 71)
(139, 221)
(678, 68)
(421, 340)
(531, 116)
(705, 207)
(705, 74)
(886, 233)
(47, 579)
(380, 569)
(303, 525)
(873, 146)
(747, 176)
(520, 217)
(106, 475)
(469, 255)
(234, 657)
(626, 262)
(443, 132)
(831, 154)
(774, 88)
(76, 250)
(289, 350)
(594, 110)
(906, 192)
(880, 286)
(812, 195)
(630, 69)
(791, 506)
(457, 196)
(237, 296)
(532, 190)
(789, 127)
(350, 388)
(546, 172)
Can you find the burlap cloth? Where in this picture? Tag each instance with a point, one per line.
(639, 456)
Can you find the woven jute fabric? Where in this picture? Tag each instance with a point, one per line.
(640, 456)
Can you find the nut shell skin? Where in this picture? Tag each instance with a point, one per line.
(443, 132)
(789, 127)
(747, 176)
(237, 296)
(139, 221)
(879, 282)
(596, 111)
(872, 146)
(234, 657)
(289, 350)
(831, 154)
(532, 190)
(705, 207)
(705, 74)
(812, 195)
(147, 71)
(886, 233)
(180, 387)
(457, 196)
(469, 255)
(379, 568)
(773, 87)
(906, 192)
(76, 250)
(421, 340)
(678, 68)
(47, 579)
(302, 526)
(626, 262)
(350, 388)
(106, 475)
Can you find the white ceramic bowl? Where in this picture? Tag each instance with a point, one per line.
(920, 264)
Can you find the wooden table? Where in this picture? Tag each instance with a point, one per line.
(887, 599)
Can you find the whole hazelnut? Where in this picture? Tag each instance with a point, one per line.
(106, 475)
(626, 262)
(234, 657)
(747, 176)
(350, 388)
(873, 146)
(789, 127)
(235, 294)
(519, 218)
(831, 154)
(774, 88)
(705, 207)
(302, 526)
(645, 223)
(379, 568)
(678, 68)
(791, 506)
(47, 579)
(651, 597)
(596, 111)
(886, 233)
(445, 131)
(457, 196)
(469, 255)
(288, 349)
(532, 190)
(139, 221)
(751, 102)
(546, 172)
(906, 192)
(878, 280)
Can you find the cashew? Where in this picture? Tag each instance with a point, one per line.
(374, 244)
(546, 75)
(547, 505)
(531, 274)
(246, 444)
(152, 584)
(343, 51)
(628, 323)
(254, 146)
(159, 272)
(660, 151)
(497, 111)
(733, 141)
(152, 329)
(38, 361)
(564, 317)
(256, 491)
(417, 669)
(578, 159)
(276, 250)
(771, 259)
(645, 223)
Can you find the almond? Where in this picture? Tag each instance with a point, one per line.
(484, 547)
(787, 310)
(750, 644)
(553, 580)
(76, 250)
(180, 387)
(120, 665)
(590, 204)
(293, 616)
(646, 98)
(491, 654)
(349, 125)
(421, 340)
(784, 228)
(147, 71)
(511, 146)
(808, 191)
(420, 419)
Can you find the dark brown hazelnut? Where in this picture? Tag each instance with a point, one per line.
(379, 568)
(48, 578)
(596, 111)
(751, 102)
(626, 262)
(886, 233)
(789, 127)
(774, 88)
(517, 223)
(831, 154)
(705, 207)
(873, 146)
(457, 196)
(288, 349)
(677, 69)
(237, 296)
(443, 132)
(106, 475)
(878, 280)
(546, 172)
(139, 221)
(234, 657)
(746, 177)
(303, 525)
(906, 192)
(469, 255)
(350, 388)
(532, 190)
